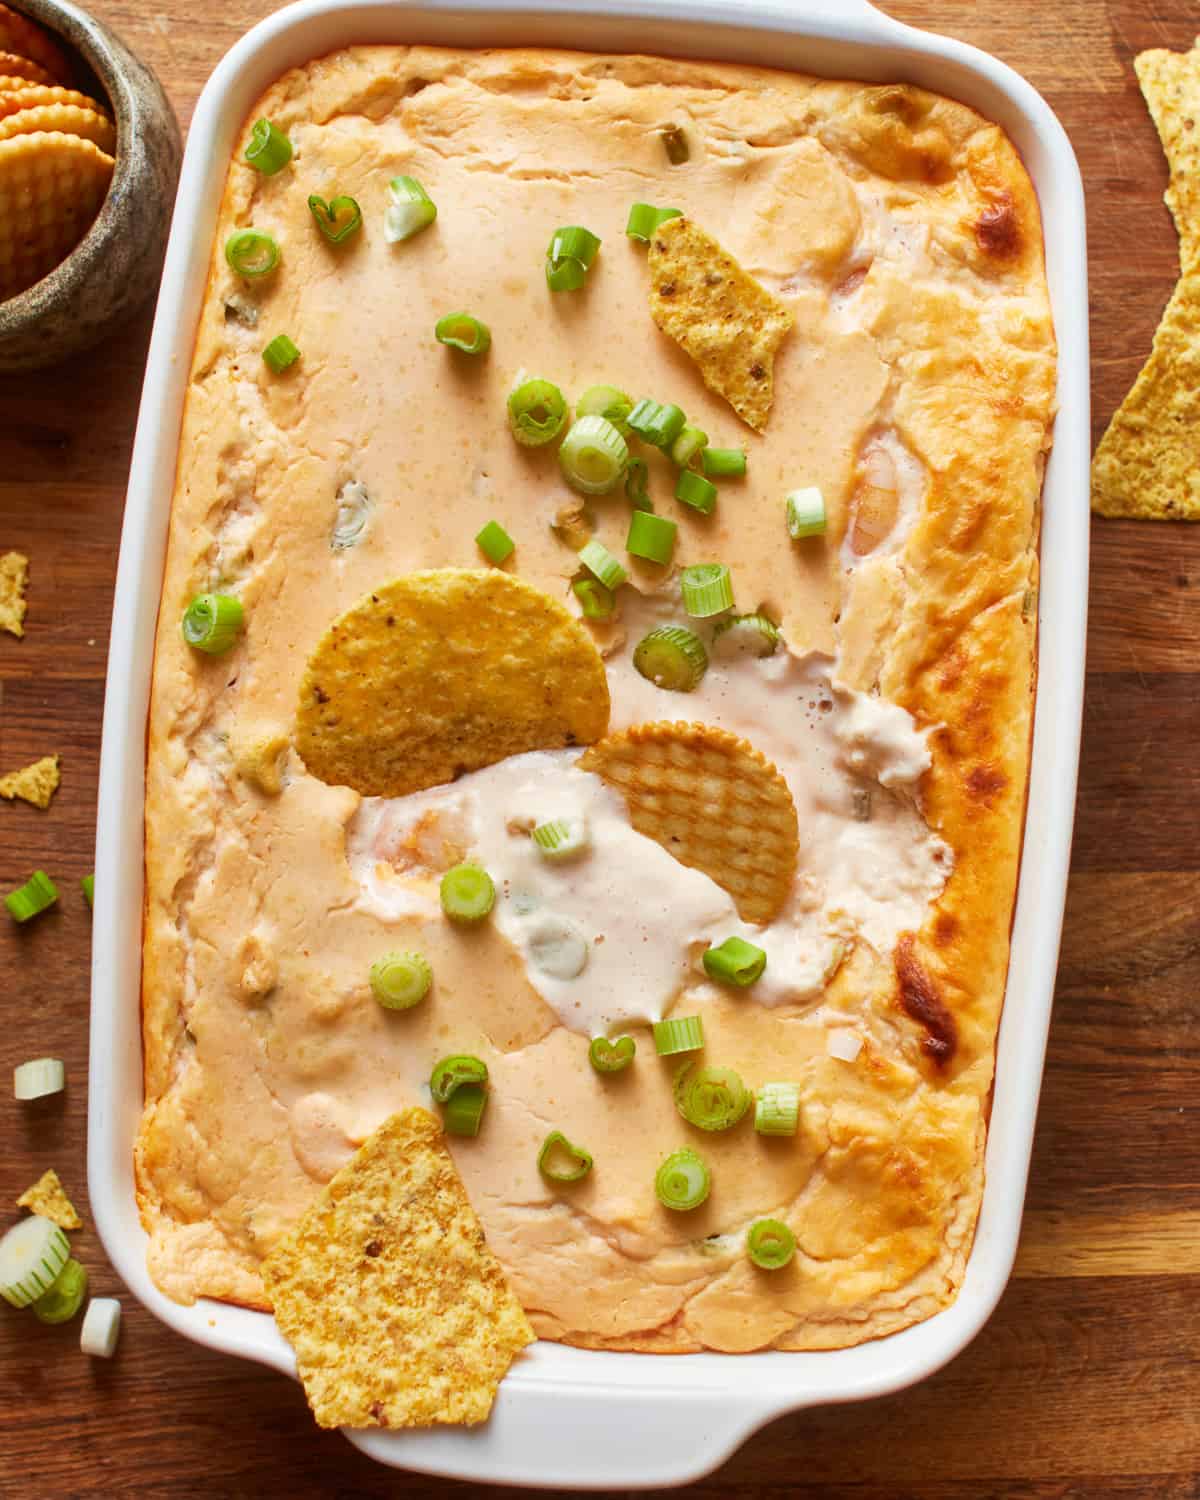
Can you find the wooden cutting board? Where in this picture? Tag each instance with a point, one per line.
(1087, 1380)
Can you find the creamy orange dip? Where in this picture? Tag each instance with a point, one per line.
(916, 391)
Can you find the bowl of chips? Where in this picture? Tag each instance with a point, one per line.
(89, 159)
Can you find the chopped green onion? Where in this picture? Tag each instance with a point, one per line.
(636, 492)
(770, 1244)
(777, 1109)
(687, 445)
(211, 623)
(453, 1073)
(710, 1098)
(608, 402)
(594, 599)
(671, 658)
(268, 150)
(89, 889)
(467, 893)
(461, 331)
(675, 144)
(411, 209)
(38, 893)
(611, 1057)
(537, 412)
(32, 1254)
(735, 962)
(65, 1297)
(723, 463)
(280, 354)
(683, 1181)
(569, 257)
(101, 1326)
(644, 219)
(651, 536)
(707, 589)
(495, 543)
(464, 1110)
(679, 1034)
(400, 980)
(561, 838)
(600, 562)
(593, 456)
(694, 490)
(805, 513)
(745, 635)
(656, 424)
(38, 1079)
(252, 253)
(561, 1161)
(339, 219)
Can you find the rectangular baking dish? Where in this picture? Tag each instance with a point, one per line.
(568, 1417)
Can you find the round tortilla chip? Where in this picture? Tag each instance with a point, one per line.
(14, 66)
(445, 671)
(70, 119)
(51, 186)
(27, 39)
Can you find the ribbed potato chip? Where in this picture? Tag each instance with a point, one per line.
(14, 66)
(713, 801)
(51, 186)
(14, 575)
(48, 1198)
(1170, 83)
(70, 119)
(442, 672)
(399, 1313)
(27, 39)
(18, 93)
(718, 314)
(35, 783)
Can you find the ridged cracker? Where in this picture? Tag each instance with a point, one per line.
(35, 783)
(442, 672)
(20, 93)
(70, 119)
(51, 186)
(399, 1313)
(718, 314)
(48, 1198)
(14, 577)
(27, 39)
(12, 65)
(713, 801)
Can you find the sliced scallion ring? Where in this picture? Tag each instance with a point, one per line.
(460, 330)
(636, 477)
(611, 1056)
(694, 490)
(467, 893)
(644, 219)
(608, 402)
(280, 354)
(463, 1113)
(38, 1078)
(595, 600)
(683, 1181)
(770, 1244)
(734, 962)
(805, 512)
(88, 884)
(651, 536)
(601, 564)
(745, 635)
(672, 658)
(252, 253)
(65, 1296)
(656, 424)
(777, 1109)
(495, 543)
(32, 1254)
(338, 220)
(707, 590)
(593, 456)
(453, 1073)
(400, 980)
(211, 623)
(411, 209)
(723, 463)
(690, 442)
(710, 1098)
(101, 1327)
(569, 257)
(561, 838)
(37, 894)
(679, 1034)
(268, 150)
(537, 412)
(560, 1160)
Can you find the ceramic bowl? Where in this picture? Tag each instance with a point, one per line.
(116, 266)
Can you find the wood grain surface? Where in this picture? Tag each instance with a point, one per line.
(1086, 1382)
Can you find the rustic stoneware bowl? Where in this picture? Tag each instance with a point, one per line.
(116, 265)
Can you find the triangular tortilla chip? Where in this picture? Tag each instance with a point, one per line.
(1170, 84)
(36, 783)
(47, 1197)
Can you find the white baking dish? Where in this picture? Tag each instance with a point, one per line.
(568, 1417)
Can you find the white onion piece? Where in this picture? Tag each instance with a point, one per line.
(556, 948)
(843, 1045)
(101, 1326)
(354, 505)
(36, 1079)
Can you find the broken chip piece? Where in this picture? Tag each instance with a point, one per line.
(399, 1313)
(1170, 83)
(14, 576)
(48, 1198)
(717, 313)
(35, 783)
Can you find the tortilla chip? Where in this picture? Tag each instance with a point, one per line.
(14, 576)
(442, 672)
(713, 801)
(719, 315)
(46, 1197)
(399, 1313)
(1170, 83)
(36, 783)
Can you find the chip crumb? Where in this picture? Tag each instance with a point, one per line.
(399, 1313)
(48, 1198)
(14, 578)
(718, 314)
(36, 783)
